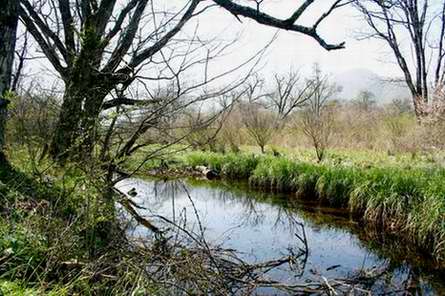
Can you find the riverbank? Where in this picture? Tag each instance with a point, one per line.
(406, 201)
(58, 236)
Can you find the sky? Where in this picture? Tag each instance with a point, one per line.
(294, 50)
(290, 50)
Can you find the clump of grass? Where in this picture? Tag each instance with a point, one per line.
(405, 202)
(236, 167)
(305, 179)
(334, 185)
(274, 173)
(211, 160)
(231, 165)
(17, 288)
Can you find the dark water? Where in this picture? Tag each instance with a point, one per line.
(264, 226)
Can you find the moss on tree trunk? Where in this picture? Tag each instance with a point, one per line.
(8, 32)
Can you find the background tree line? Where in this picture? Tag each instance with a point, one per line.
(123, 67)
(317, 117)
(99, 49)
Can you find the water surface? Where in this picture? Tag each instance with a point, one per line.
(265, 227)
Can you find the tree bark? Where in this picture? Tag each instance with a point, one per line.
(76, 130)
(67, 128)
(8, 32)
(81, 87)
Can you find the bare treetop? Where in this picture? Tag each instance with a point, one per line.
(414, 30)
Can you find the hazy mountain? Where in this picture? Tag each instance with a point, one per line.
(356, 80)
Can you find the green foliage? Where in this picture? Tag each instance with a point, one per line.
(50, 215)
(209, 159)
(17, 288)
(231, 165)
(235, 167)
(24, 249)
(335, 184)
(11, 97)
(276, 173)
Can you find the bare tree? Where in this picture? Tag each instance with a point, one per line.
(231, 132)
(8, 32)
(22, 49)
(322, 90)
(201, 128)
(97, 60)
(289, 93)
(260, 122)
(317, 119)
(96, 46)
(365, 100)
(181, 113)
(420, 56)
(318, 128)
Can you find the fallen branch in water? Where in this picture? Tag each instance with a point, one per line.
(185, 263)
(130, 206)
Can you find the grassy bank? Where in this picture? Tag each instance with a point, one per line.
(58, 236)
(408, 201)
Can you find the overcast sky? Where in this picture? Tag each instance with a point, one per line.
(297, 50)
(290, 49)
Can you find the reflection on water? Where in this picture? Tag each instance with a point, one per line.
(264, 227)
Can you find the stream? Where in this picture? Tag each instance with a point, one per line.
(265, 226)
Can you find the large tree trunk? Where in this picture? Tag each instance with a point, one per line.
(67, 128)
(8, 32)
(76, 130)
(90, 120)
(82, 85)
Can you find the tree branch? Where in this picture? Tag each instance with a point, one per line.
(126, 101)
(149, 52)
(103, 15)
(287, 24)
(120, 19)
(36, 20)
(68, 27)
(49, 51)
(127, 38)
(296, 15)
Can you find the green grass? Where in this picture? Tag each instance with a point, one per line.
(362, 158)
(231, 165)
(42, 225)
(46, 223)
(408, 200)
(17, 288)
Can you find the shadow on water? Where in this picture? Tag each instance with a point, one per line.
(264, 226)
